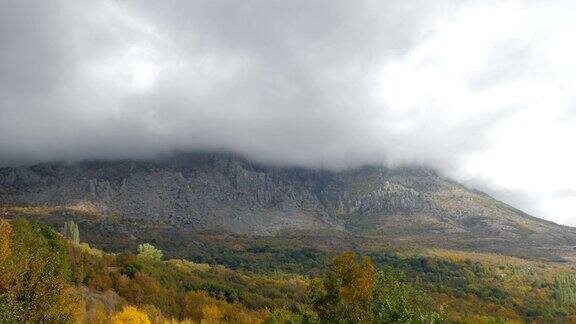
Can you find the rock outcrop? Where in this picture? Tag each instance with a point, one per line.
(217, 190)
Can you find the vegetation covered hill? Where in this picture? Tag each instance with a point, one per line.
(46, 276)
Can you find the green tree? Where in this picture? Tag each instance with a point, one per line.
(354, 291)
(565, 289)
(71, 231)
(398, 302)
(148, 251)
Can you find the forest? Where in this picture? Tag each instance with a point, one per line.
(47, 274)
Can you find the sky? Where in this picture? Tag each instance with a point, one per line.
(481, 90)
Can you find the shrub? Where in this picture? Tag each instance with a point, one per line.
(150, 252)
(130, 315)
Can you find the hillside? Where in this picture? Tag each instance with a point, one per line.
(51, 278)
(224, 192)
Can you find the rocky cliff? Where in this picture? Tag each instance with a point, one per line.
(217, 190)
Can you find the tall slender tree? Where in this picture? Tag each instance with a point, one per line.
(71, 231)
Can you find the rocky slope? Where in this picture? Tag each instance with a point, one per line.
(217, 190)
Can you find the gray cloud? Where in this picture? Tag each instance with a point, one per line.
(313, 83)
(280, 81)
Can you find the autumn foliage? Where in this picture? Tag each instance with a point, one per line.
(130, 315)
(355, 291)
(46, 277)
(34, 284)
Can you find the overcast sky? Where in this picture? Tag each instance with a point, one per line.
(483, 90)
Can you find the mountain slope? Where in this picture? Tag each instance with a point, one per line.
(217, 190)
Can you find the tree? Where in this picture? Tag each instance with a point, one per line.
(34, 277)
(148, 251)
(211, 314)
(96, 313)
(398, 302)
(354, 291)
(72, 232)
(130, 315)
(5, 253)
(345, 293)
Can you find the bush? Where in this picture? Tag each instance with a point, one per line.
(148, 251)
(130, 315)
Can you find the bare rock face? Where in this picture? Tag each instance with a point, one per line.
(217, 190)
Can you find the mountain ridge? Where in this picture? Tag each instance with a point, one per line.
(223, 190)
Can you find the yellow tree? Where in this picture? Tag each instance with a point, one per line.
(211, 314)
(34, 275)
(354, 291)
(5, 252)
(356, 285)
(130, 315)
(346, 293)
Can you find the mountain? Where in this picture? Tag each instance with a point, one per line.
(222, 191)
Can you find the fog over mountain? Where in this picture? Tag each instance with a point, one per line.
(481, 90)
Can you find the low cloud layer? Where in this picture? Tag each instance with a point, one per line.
(480, 90)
